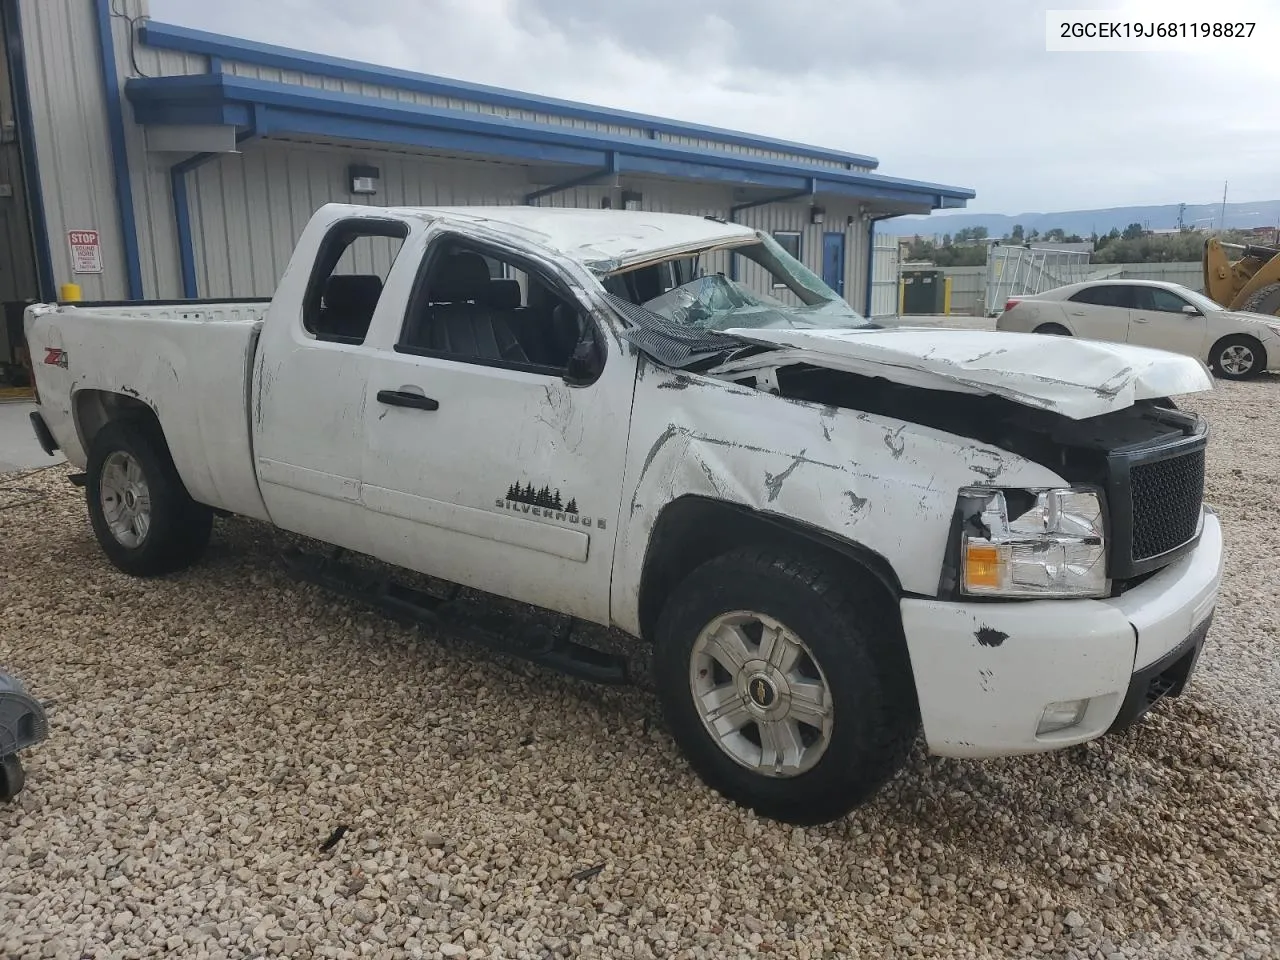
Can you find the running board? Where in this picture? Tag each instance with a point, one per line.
(537, 643)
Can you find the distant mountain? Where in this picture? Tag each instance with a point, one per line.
(1260, 213)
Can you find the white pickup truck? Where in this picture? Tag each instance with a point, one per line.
(830, 533)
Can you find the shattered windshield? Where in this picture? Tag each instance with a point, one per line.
(711, 300)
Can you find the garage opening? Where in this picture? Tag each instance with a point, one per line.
(23, 277)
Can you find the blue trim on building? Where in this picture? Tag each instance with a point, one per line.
(182, 220)
(608, 169)
(119, 150)
(46, 288)
(810, 190)
(184, 40)
(182, 207)
(222, 98)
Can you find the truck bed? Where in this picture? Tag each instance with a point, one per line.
(189, 361)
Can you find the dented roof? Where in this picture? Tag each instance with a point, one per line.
(601, 239)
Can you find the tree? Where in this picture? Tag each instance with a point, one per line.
(1018, 233)
(1073, 238)
(572, 506)
(946, 239)
(1132, 232)
(1033, 235)
(952, 256)
(1057, 234)
(512, 493)
(970, 234)
(556, 501)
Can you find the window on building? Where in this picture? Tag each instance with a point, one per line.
(346, 282)
(788, 240)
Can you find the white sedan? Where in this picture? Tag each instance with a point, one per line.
(1152, 313)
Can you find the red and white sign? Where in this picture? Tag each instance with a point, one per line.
(86, 251)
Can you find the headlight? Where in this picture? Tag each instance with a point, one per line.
(1029, 543)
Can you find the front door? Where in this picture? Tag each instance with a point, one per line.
(1158, 319)
(833, 261)
(483, 466)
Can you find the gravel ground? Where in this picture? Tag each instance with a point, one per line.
(210, 731)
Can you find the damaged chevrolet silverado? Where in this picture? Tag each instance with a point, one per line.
(830, 534)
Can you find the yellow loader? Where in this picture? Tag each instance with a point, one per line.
(1251, 283)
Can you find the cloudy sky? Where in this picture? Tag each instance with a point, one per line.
(953, 91)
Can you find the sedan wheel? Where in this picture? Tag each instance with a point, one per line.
(1238, 357)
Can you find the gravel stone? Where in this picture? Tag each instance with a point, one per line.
(210, 730)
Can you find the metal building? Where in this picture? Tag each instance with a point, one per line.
(146, 160)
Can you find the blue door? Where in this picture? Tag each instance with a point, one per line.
(833, 261)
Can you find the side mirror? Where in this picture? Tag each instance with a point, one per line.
(585, 364)
(1190, 311)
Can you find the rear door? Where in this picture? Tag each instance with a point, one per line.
(483, 465)
(1100, 312)
(309, 379)
(1158, 319)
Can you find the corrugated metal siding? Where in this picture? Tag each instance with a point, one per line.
(884, 277)
(17, 261)
(794, 217)
(73, 146)
(248, 210)
(71, 138)
(703, 143)
(356, 88)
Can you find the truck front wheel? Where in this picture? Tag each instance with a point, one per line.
(141, 513)
(786, 684)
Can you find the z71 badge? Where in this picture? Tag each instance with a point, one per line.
(547, 504)
(53, 357)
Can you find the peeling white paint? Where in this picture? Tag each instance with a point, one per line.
(1073, 377)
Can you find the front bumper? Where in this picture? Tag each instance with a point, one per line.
(985, 672)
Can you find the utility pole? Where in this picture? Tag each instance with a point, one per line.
(1222, 220)
(1182, 209)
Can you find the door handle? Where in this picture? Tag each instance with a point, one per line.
(402, 398)
(1141, 320)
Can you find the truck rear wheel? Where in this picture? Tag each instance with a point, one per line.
(141, 513)
(786, 686)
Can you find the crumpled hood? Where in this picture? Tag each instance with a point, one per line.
(1066, 375)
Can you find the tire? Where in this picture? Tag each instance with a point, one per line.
(850, 642)
(12, 778)
(141, 513)
(1052, 330)
(1238, 357)
(1264, 300)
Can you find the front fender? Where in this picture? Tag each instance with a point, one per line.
(885, 484)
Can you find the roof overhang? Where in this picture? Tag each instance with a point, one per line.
(263, 109)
